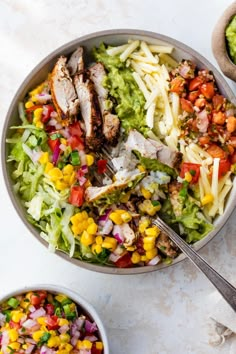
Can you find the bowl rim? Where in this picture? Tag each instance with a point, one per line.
(59, 51)
(74, 295)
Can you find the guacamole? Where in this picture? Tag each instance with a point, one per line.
(122, 87)
(231, 38)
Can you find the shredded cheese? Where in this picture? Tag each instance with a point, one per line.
(131, 47)
(117, 50)
(160, 49)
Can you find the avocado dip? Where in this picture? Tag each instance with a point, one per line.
(231, 38)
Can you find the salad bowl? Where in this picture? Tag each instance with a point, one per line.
(114, 38)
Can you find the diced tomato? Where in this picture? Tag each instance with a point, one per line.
(33, 108)
(195, 83)
(186, 105)
(216, 151)
(76, 197)
(52, 322)
(177, 85)
(218, 102)
(50, 309)
(35, 299)
(75, 143)
(47, 113)
(219, 118)
(200, 102)
(102, 166)
(124, 261)
(53, 144)
(233, 158)
(193, 169)
(224, 167)
(75, 129)
(42, 294)
(208, 90)
(14, 325)
(192, 96)
(204, 140)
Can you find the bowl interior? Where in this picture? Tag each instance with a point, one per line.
(113, 37)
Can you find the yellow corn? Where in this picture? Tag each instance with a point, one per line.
(55, 174)
(90, 221)
(68, 347)
(53, 333)
(37, 90)
(14, 346)
(87, 344)
(38, 114)
(68, 169)
(151, 254)
(16, 316)
(61, 185)
(84, 215)
(125, 198)
(37, 335)
(126, 216)
(65, 338)
(89, 159)
(149, 239)
(188, 177)
(131, 248)
(149, 246)
(99, 240)
(54, 342)
(109, 243)
(77, 218)
(44, 158)
(13, 335)
(49, 167)
(96, 249)
(135, 258)
(77, 229)
(87, 239)
(116, 218)
(146, 193)
(141, 168)
(99, 345)
(152, 231)
(63, 141)
(72, 178)
(41, 320)
(149, 208)
(208, 198)
(29, 104)
(87, 184)
(24, 346)
(62, 351)
(144, 258)
(39, 124)
(79, 344)
(92, 228)
(63, 321)
(24, 304)
(84, 224)
(143, 224)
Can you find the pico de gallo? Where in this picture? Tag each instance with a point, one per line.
(46, 323)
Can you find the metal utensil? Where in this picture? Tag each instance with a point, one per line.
(222, 285)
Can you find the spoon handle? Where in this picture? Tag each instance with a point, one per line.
(222, 285)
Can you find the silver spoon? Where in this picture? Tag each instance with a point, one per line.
(222, 285)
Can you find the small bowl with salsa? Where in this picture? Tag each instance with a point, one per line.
(224, 42)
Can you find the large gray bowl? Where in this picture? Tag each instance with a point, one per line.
(115, 37)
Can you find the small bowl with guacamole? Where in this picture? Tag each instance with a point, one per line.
(224, 42)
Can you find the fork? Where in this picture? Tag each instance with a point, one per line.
(226, 289)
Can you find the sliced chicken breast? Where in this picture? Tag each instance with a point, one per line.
(63, 92)
(75, 63)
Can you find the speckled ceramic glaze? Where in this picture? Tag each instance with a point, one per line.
(113, 37)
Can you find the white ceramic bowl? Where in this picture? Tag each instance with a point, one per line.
(86, 307)
(113, 37)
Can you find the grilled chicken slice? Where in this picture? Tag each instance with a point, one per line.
(90, 111)
(93, 194)
(63, 92)
(166, 246)
(75, 62)
(111, 123)
(152, 149)
(176, 201)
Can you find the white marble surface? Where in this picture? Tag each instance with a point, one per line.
(164, 312)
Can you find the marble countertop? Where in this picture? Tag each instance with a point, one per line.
(164, 312)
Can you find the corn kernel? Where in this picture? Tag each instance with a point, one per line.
(63, 321)
(68, 169)
(61, 185)
(125, 198)
(99, 345)
(90, 221)
(14, 346)
(108, 245)
(144, 258)
(55, 174)
(149, 239)
(72, 178)
(146, 193)
(79, 345)
(41, 320)
(24, 304)
(151, 254)
(64, 337)
(37, 90)
(87, 184)
(143, 225)
(39, 125)
(37, 335)
(29, 104)
(135, 258)
(131, 248)
(63, 141)
(77, 218)
(188, 177)
(13, 334)
(63, 351)
(92, 228)
(24, 346)
(96, 249)
(116, 218)
(44, 158)
(17, 316)
(84, 215)
(152, 231)
(141, 168)
(77, 229)
(126, 216)
(149, 246)
(68, 347)
(208, 198)
(49, 167)
(84, 224)
(53, 333)
(38, 114)
(54, 342)
(99, 240)
(87, 344)
(87, 239)
(89, 159)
